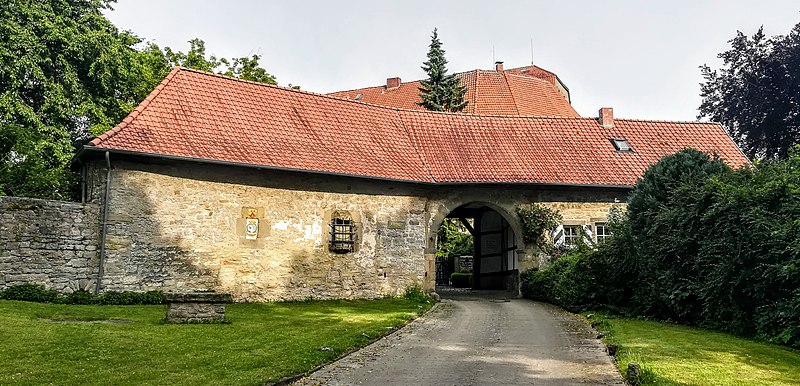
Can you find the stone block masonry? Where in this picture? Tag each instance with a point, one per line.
(54, 243)
(200, 307)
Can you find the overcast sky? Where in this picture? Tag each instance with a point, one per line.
(640, 57)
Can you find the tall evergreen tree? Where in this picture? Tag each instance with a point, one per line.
(440, 92)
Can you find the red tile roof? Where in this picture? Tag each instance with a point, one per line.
(203, 116)
(527, 91)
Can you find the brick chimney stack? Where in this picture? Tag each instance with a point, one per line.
(392, 82)
(606, 118)
(498, 66)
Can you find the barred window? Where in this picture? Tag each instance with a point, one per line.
(601, 232)
(343, 235)
(571, 234)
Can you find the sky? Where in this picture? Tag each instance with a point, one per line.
(640, 57)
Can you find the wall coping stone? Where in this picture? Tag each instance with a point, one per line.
(197, 297)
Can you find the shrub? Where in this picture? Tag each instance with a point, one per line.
(702, 245)
(78, 297)
(37, 293)
(536, 220)
(416, 294)
(30, 292)
(461, 279)
(130, 298)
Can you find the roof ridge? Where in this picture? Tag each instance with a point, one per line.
(666, 121)
(138, 110)
(510, 92)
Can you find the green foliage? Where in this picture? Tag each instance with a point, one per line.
(38, 293)
(756, 94)
(129, 298)
(67, 74)
(536, 221)
(440, 92)
(452, 240)
(415, 293)
(461, 279)
(246, 67)
(702, 245)
(30, 293)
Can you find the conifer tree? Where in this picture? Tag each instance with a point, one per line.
(440, 92)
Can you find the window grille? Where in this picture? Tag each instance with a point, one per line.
(343, 235)
(601, 232)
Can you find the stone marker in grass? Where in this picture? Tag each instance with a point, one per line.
(196, 307)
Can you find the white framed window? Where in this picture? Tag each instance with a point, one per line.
(601, 232)
(571, 234)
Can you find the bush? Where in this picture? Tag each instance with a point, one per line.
(461, 279)
(416, 294)
(30, 292)
(37, 293)
(702, 245)
(128, 298)
(78, 297)
(536, 220)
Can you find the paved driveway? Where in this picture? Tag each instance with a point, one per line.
(480, 339)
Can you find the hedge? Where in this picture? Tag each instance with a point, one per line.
(38, 293)
(701, 245)
(461, 279)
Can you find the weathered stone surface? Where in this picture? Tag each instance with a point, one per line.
(197, 297)
(180, 227)
(180, 312)
(48, 242)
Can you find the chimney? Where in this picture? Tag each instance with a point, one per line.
(392, 82)
(606, 118)
(498, 66)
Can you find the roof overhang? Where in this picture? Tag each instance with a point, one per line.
(89, 151)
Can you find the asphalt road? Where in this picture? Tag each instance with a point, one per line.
(480, 339)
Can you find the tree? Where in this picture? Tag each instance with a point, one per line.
(440, 92)
(756, 94)
(453, 240)
(66, 74)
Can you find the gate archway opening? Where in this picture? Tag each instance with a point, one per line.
(494, 262)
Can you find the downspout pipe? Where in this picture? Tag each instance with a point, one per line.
(104, 231)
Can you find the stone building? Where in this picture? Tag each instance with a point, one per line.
(272, 193)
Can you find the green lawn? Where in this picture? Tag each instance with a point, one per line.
(678, 355)
(263, 342)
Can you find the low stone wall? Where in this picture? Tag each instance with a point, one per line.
(48, 242)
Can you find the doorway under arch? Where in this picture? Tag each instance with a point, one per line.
(495, 257)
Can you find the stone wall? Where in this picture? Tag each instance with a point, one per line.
(181, 227)
(48, 242)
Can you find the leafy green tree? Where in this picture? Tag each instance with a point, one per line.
(440, 92)
(453, 241)
(67, 74)
(756, 94)
(246, 67)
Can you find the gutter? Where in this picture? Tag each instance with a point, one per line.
(104, 232)
(87, 149)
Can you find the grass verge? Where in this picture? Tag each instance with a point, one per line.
(672, 354)
(56, 344)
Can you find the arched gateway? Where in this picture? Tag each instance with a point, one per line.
(497, 244)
